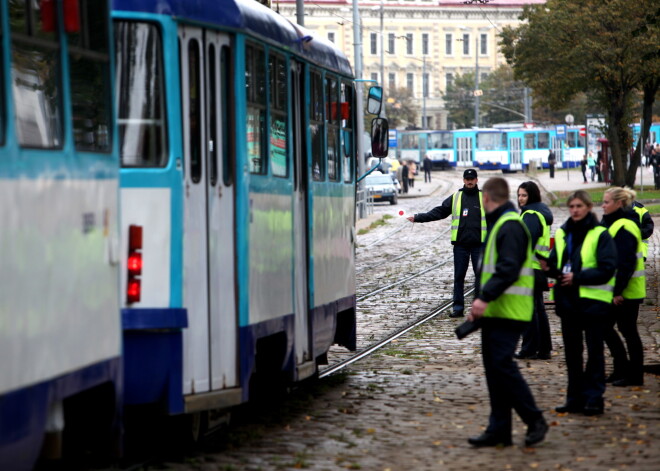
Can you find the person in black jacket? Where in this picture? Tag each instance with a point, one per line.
(629, 287)
(505, 305)
(468, 232)
(583, 261)
(536, 341)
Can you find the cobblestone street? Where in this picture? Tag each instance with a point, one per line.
(412, 405)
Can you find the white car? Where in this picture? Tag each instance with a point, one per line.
(381, 187)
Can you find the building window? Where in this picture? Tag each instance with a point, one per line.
(449, 80)
(374, 43)
(466, 44)
(425, 44)
(448, 44)
(374, 76)
(331, 37)
(426, 85)
(391, 78)
(409, 43)
(483, 45)
(410, 82)
(391, 41)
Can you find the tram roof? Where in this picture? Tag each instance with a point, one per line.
(250, 16)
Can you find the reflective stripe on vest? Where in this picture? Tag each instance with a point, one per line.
(456, 216)
(588, 254)
(645, 242)
(543, 243)
(517, 301)
(636, 287)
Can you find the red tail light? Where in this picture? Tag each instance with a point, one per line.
(134, 264)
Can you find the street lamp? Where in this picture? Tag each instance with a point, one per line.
(381, 9)
(476, 80)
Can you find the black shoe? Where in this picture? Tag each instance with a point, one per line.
(614, 377)
(456, 314)
(542, 356)
(522, 355)
(593, 409)
(627, 382)
(489, 439)
(536, 431)
(569, 407)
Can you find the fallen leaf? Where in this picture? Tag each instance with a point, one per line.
(308, 417)
(371, 430)
(534, 465)
(437, 399)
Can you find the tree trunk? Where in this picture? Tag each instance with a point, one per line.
(617, 135)
(650, 89)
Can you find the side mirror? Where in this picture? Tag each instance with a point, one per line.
(379, 137)
(375, 100)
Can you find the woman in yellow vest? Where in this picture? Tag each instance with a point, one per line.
(629, 286)
(583, 261)
(536, 340)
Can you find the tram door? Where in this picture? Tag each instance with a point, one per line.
(515, 153)
(464, 151)
(208, 265)
(304, 358)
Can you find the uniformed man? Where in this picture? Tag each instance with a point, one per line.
(504, 304)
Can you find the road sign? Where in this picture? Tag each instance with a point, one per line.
(392, 137)
(583, 132)
(561, 131)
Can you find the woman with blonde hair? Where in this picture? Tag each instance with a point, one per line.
(583, 262)
(629, 287)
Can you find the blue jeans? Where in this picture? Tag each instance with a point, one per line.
(462, 255)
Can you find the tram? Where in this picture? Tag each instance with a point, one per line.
(60, 332)
(238, 169)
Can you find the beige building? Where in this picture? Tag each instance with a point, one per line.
(420, 45)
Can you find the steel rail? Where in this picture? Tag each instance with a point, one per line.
(381, 343)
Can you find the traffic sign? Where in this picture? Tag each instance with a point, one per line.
(583, 132)
(561, 131)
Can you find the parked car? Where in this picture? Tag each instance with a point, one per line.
(381, 187)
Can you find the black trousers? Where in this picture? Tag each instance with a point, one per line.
(537, 338)
(427, 176)
(507, 388)
(462, 256)
(586, 385)
(628, 365)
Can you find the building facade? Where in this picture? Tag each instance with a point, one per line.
(420, 45)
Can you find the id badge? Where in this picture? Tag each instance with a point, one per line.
(465, 212)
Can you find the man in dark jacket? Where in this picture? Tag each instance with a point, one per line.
(505, 304)
(427, 165)
(468, 231)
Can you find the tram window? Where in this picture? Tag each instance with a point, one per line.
(346, 96)
(90, 79)
(36, 73)
(316, 125)
(582, 141)
(278, 106)
(212, 107)
(140, 91)
(228, 157)
(332, 114)
(490, 141)
(530, 141)
(571, 138)
(195, 111)
(256, 108)
(544, 140)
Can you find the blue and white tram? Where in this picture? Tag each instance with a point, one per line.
(238, 193)
(60, 333)
(438, 145)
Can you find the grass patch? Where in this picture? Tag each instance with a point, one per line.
(653, 209)
(597, 195)
(379, 222)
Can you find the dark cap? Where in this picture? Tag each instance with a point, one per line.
(470, 173)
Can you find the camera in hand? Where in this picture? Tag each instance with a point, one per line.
(466, 328)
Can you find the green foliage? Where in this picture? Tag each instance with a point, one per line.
(564, 48)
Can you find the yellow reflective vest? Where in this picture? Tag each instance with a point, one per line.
(543, 243)
(636, 287)
(456, 202)
(588, 256)
(517, 301)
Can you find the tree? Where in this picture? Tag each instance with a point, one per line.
(400, 108)
(564, 48)
(459, 100)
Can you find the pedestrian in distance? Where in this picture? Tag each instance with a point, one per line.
(468, 232)
(629, 287)
(552, 161)
(405, 172)
(536, 340)
(505, 304)
(583, 167)
(412, 171)
(427, 165)
(591, 162)
(583, 262)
